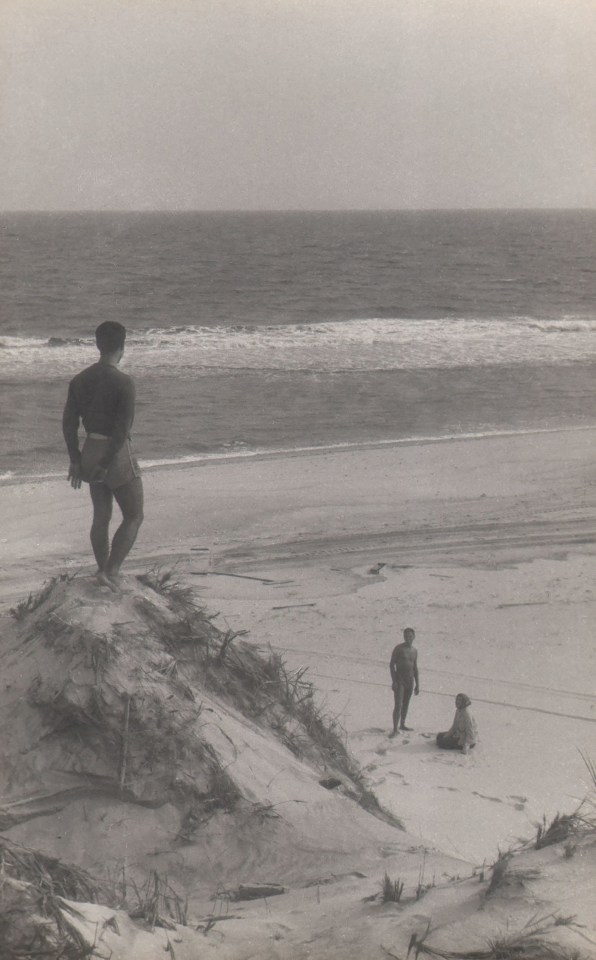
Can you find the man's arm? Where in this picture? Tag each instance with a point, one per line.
(122, 423)
(392, 664)
(70, 428)
(416, 678)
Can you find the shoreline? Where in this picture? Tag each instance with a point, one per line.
(217, 457)
(247, 415)
(499, 479)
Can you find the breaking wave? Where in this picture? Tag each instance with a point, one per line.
(367, 344)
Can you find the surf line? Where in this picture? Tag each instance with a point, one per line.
(437, 693)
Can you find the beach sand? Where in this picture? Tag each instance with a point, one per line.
(487, 547)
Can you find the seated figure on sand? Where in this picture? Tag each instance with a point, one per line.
(103, 398)
(463, 733)
(404, 679)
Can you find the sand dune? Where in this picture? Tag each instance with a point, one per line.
(487, 548)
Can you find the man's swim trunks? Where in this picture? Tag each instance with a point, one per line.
(104, 399)
(123, 469)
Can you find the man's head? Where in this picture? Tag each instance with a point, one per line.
(109, 337)
(462, 701)
(409, 636)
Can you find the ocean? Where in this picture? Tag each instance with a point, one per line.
(252, 332)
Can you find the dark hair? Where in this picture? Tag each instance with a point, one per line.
(110, 336)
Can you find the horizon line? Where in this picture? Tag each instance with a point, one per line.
(300, 210)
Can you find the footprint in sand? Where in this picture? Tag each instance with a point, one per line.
(440, 758)
(400, 776)
(381, 751)
(368, 732)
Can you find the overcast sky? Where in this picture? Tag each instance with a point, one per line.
(297, 104)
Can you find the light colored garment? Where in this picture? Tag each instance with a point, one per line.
(464, 729)
(124, 467)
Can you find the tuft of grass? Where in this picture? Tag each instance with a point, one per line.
(423, 887)
(567, 826)
(158, 904)
(34, 919)
(51, 876)
(35, 600)
(167, 585)
(498, 872)
(559, 829)
(591, 767)
(530, 943)
(391, 890)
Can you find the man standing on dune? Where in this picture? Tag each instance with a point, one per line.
(404, 679)
(103, 398)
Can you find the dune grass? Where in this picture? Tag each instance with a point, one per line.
(34, 920)
(257, 683)
(157, 903)
(35, 600)
(391, 890)
(140, 736)
(531, 942)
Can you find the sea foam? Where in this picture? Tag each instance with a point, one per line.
(336, 346)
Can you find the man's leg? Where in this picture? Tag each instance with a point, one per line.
(101, 497)
(408, 689)
(129, 498)
(398, 692)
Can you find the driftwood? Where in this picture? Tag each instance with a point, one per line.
(239, 576)
(330, 783)
(253, 891)
(289, 606)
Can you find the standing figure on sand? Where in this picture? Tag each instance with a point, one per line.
(404, 679)
(103, 398)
